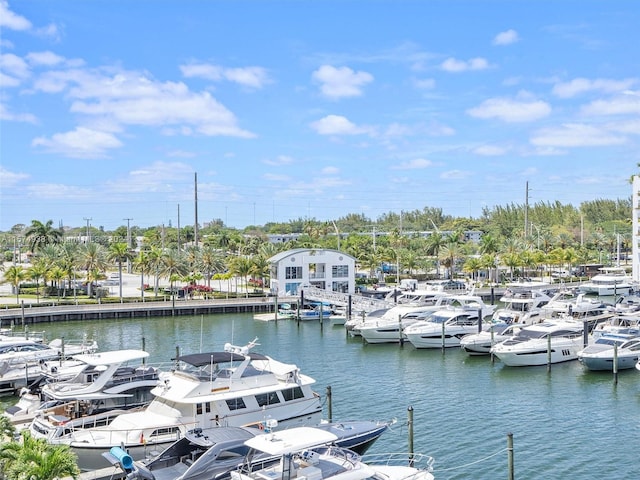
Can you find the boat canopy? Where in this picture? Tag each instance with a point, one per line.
(203, 359)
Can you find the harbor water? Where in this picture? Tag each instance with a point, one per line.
(566, 424)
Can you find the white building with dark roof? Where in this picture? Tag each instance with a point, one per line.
(318, 267)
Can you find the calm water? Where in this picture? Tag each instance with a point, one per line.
(567, 424)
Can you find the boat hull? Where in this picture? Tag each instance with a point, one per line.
(538, 354)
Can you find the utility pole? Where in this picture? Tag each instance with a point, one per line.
(128, 242)
(526, 208)
(195, 223)
(88, 231)
(178, 227)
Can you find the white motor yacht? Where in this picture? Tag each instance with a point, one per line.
(610, 281)
(234, 387)
(295, 454)
(480, 343)
(444, 328)
(551, 341)
(389, 329)
(609, 349)
(101, 383)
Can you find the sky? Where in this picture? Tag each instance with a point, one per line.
(284, 110)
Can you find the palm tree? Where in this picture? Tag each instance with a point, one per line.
(119, 252)
(39, 235)
(38, 270)
(155, 255)
(141, 264)
(212, 262)
(241, 266)
(93, 260)
(35, 459)
(435, 242)
(14, 275)
(173, 266)
(260, 268)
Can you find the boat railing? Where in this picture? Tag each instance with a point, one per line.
(113, 436)
(417, 460)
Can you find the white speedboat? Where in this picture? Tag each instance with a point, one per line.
(234, 387)
(390, 328)
(551, 341)
(480, 343)
(444, 328)
(212, 453)
(610, 281)
(294, 454)
(102, 382)
(609, 349)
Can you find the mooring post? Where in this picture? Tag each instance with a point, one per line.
(400, 333)
(549, 353)
(615, 363)
(585, 333)
(493, 297)
(443, 337)
(144, 360)
(329, 405)
(349, 308)
(275, 306)
(410, 433)
(510, 455)
(61, 350)
(493, 357)
(480, 320)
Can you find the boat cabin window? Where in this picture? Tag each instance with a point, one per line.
(292, 393)
(162, 432)
(270, 398)
(236, 404)
(200, 407)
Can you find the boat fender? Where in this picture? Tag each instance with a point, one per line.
(123, 457)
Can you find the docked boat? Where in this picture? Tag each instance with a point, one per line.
(234, 387)
(390, 328)
(443, 329)
(480, 343)
(521, 306)
(551, 341)
(610, 281)
(610, 349)
(101, 383)
(294, 454)
(569, 303)
(212, 453)
(23, 361)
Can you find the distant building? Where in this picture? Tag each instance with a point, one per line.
(322, 268)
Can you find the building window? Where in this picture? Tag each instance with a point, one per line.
(340, 271)
(342, 287)
(293, 273)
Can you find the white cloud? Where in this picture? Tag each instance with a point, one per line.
(455, 174)
(6, 115)
(11, 20)
(341, 82)
(621, 105)
(180, 154)
(511, 111)
(79, 143)
(575, 135)
(272, 177)
(47, 58)
(489, 150)
(415, 164)
(336, 125)
(9, 179)
(254, 77)
(279, 161)
(131, 98)
(58, 191)
(13, 70)
(424, 83)
(455, 66)
(506, 38)
(330, 171)
(578, 86)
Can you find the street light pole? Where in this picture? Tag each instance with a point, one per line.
(88, 231)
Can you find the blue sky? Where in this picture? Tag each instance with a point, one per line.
(311, 109)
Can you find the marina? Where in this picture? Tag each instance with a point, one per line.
(463, 406)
